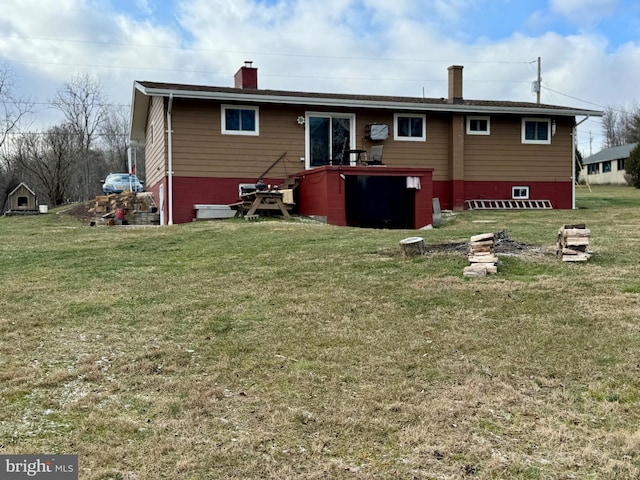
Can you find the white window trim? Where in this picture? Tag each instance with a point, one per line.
(223, 124)
(422, 138)
(478, 132)
(520, 197)
(307, 134)
(540, 120)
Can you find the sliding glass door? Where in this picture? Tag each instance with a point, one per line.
(328, 136)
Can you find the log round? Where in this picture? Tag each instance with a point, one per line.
(412, 246)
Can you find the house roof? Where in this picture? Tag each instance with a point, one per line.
(612, 153)
(143, 90)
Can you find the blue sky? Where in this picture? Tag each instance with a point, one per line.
(590, 49)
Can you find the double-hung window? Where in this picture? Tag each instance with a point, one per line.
(409, 127)
(240, 120)
(536, 130)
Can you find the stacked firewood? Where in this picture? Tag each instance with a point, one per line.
(573, 242)
(481, 256)
(138, 208)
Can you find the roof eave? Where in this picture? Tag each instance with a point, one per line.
(362, 103)
(139, 111)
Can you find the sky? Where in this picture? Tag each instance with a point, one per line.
(589, 50)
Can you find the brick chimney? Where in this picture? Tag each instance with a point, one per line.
(455, 84)
(247, 76)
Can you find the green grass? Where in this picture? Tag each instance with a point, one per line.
(297, 350)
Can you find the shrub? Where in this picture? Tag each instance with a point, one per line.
(632, 167)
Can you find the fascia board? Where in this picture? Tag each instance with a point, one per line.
(359, 103)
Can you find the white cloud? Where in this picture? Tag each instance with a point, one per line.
(583, 12)
(351, 46)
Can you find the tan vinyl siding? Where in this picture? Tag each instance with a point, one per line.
(430, 154)
(503, 156)
(155, 151)
(201, 150)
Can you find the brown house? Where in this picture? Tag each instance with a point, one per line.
(354, 155)
(22, 200)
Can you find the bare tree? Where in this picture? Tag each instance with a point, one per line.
(13, 110)
(50, 160)
(114, 139)
(621, 125)
(83, 105)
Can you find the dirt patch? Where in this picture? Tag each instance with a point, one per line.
(80, 212)
(504, 245)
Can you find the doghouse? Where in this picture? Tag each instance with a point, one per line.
(22, 200)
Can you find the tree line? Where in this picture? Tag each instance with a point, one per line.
(621, 125)
(65, 162)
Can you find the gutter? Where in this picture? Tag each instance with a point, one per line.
(170, 158)
(362, 103)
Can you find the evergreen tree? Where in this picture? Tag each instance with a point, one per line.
(632, 167)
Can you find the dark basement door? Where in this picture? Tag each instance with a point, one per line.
(379, 202)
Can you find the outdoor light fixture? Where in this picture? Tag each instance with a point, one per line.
(300, 120)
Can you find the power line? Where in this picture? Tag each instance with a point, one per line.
(269, 75)
(275, 54)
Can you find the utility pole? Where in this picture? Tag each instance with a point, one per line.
(539, 82)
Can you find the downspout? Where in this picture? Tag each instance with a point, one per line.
(170, 159)
(573, 162)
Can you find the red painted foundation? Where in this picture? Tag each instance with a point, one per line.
(560, 193)
(322, 192)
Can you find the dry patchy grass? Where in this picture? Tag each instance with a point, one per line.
(297, 350)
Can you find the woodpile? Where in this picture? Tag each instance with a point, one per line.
(137, 208)
(482, 258)
(573, 243)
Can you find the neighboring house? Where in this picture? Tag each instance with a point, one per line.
(22, 200)
(607, 166)
(202, 142)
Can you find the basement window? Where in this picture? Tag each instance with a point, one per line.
(410, 127)
(240, 120)
(520, 193)
(478, 126)
(536, 130)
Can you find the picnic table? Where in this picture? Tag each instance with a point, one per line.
(262, 201)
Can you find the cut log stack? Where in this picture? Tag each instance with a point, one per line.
(573, 243)
(481, 256)
(139, 208)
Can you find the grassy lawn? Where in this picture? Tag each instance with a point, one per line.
(289, 350)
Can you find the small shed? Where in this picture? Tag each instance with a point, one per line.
(22, 200)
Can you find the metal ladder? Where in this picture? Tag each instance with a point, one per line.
(509, 204)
